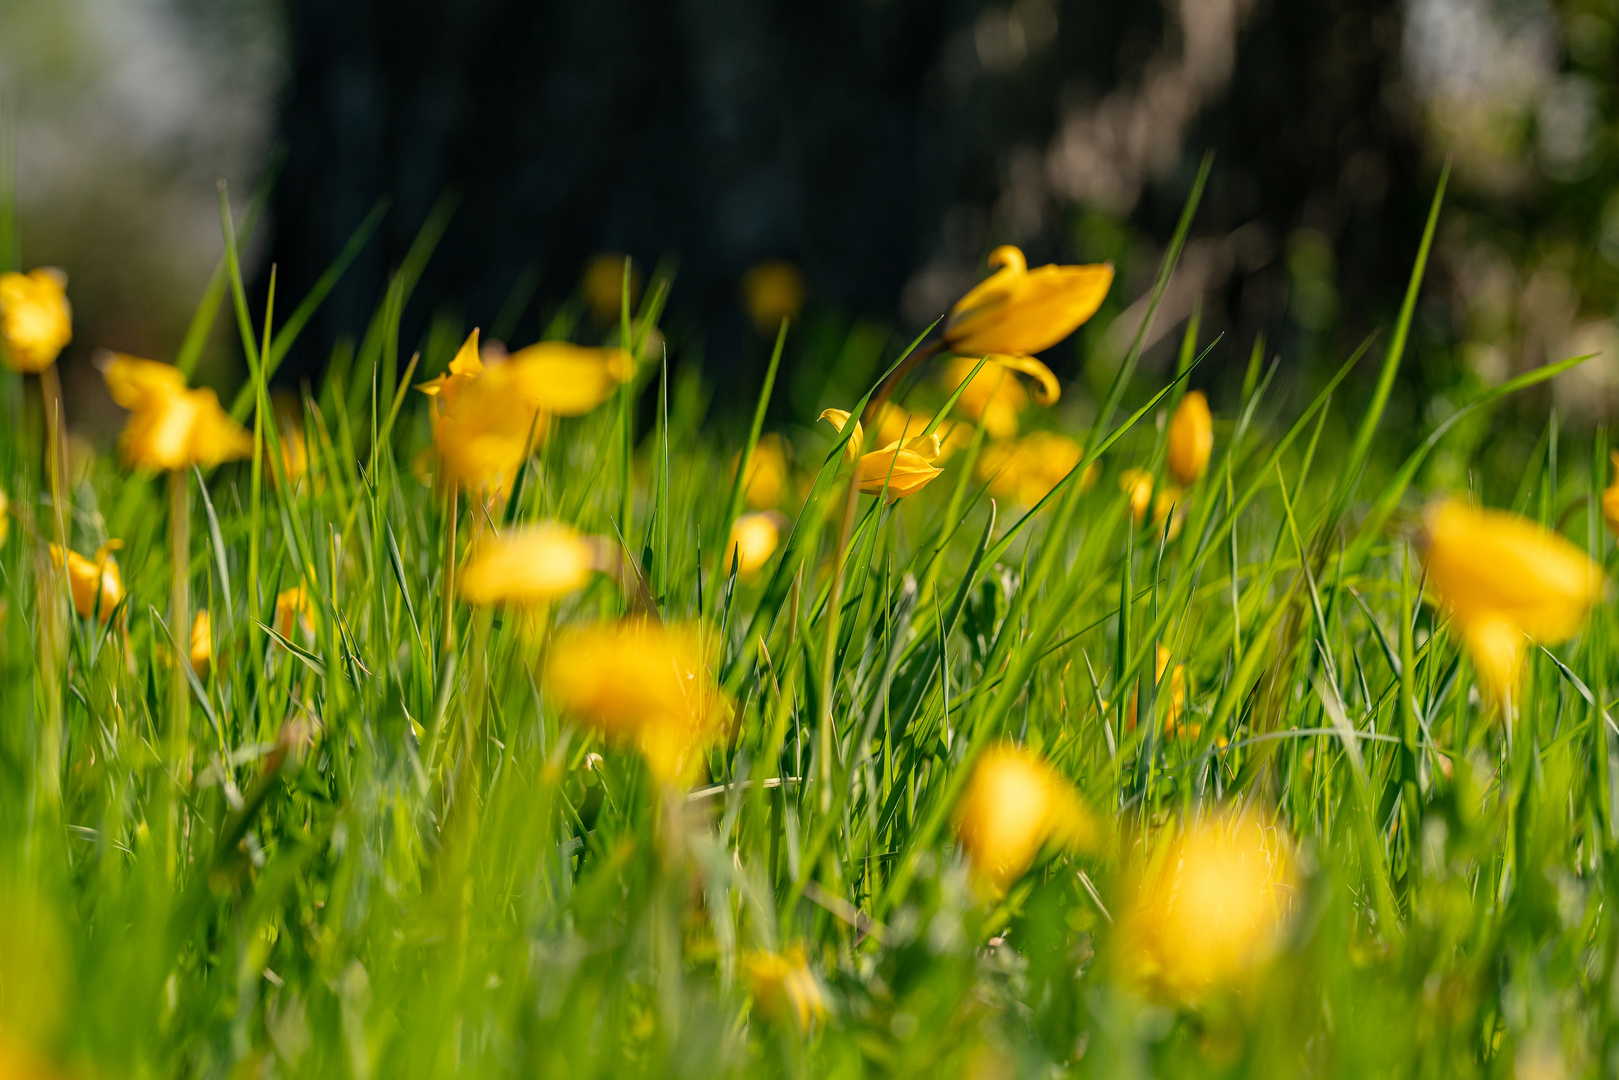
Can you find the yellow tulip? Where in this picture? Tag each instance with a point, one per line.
(1492, 571)
(773, 291)
(170, 427)
(465, 366)
(202, 643)
(5, 517)
(839, 417)
(531, 566)
(897, 471)
(642, 684)
(36, 320)
(1027, 469)
(753, 540)
(1014, 803)
(603, 288)
(1206, 910)
(95, 583)
(1610, 497)
(994, 395)
(569, 380)
(1019, 311)
(784, 988)
(767, 473)
(1137, 483)
(294, 610)
(1176, 689)
(1191, 439)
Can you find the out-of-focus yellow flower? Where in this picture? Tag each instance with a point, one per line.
(753, 540)
(569, 380)
(289, 427)
(1191, 439)
(1013, 804)
(294, 610)
(773, 291)
(766, 478)
(465, 366)
(170, 427)
(603, 287)
(5, 516)
(1207, 908)
(202, 643)
(994, 395)
(95, 583)
(1504, 578)
(531, 566)
(1610, 497)
(784, 988)
(1176, 689)
(1137, 483)
(485, 419)
(1027, 469)
(642, 684)
(1021, 311)
(36, 320)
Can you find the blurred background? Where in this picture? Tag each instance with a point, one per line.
(849, 161)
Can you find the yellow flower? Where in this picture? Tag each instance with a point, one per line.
(1177, 697)
(1137, 483)
(1021, 311)
(569, 380)
(95, 583)
(1497, 573)
(994, 395)
(36, 321)
(485, 419)
(839, 417)
(202, 643)
(1013, 804)
(784, 988)
(294, 443)
(767, 473)
(1191, 439)
(170, 427)
(897, 471)
(1206, 910)
(5, 516)
(603, 287)
(753, 540)
(773, 291)
(294, 609)
(1027, 469)
(1610, 497)
(531, 566)
(642, 684)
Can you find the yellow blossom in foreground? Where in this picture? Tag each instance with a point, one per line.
(202, 643)
(641, 684)
(294, 610)
(95, 583)
(603, 287)
(766, 479)
(484, 424)
(1191, 439)
(1206, 909)
(1610, 497)
(36, 320)
(1027, 469)
(170, 427)
(773, 291)
(753, 540)
(784, 988)
(531, 566)
(1013, 804)
(1021, 311)
(1504, 579)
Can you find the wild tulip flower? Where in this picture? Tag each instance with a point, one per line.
(95, 583)
(1207, 909)
(202, 643)
(838, 418)
(995, 396)
(784, 988)
(569, 380)
(895, 471)
(1013, 805)
(641, 684)
(1027, 469)
(484, 420)
(1138, 484)
(531, 566)
(1505, 580)
(1019, 311)
(1191, 439)
(294, 610)
(36, 320)
(1175, 687)
(5, 517)
(753, 540)
(170, 427)
(766, 479)
(773, 291)
(1610, 497)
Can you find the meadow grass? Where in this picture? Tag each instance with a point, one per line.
(369, 846)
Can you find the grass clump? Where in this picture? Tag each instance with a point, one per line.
(488, 760)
